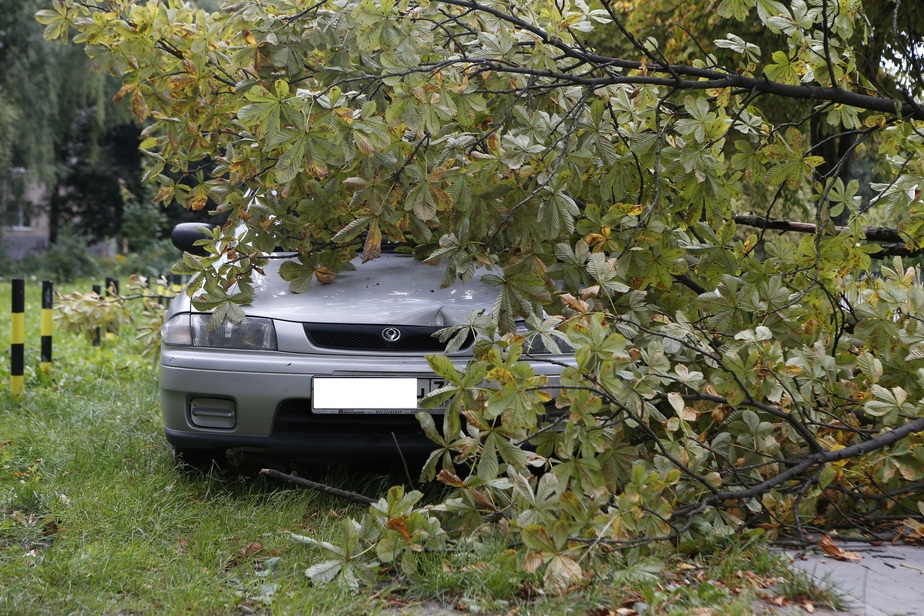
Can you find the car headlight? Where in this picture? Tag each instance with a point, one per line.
(187, 329)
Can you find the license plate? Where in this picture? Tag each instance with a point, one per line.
(370, 395)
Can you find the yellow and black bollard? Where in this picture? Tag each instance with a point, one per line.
(96, 333)
(18, 337)
(47, 325)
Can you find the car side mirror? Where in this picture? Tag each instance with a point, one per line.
(185, 235)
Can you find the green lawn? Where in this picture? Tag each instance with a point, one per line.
(95, 519)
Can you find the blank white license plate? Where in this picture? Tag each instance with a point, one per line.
(370, 395)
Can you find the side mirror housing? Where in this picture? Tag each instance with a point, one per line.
(185, 235)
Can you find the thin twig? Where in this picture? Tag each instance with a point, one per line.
(352, 497)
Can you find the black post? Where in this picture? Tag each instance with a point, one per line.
(96, 334)
(47, 324)
(18, 337)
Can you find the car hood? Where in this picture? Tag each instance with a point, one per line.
(394, 289)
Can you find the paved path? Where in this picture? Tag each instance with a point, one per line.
(887, 581)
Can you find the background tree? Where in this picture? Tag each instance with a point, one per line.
(59, 124)
(724, 375)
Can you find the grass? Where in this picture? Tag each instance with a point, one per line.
(94, 518)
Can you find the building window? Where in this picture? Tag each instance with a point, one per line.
(17, 211)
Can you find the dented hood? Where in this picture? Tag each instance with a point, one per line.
(394, 289)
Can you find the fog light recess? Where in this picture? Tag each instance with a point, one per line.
(212, 413)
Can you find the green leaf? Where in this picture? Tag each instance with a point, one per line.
(535, 537)
(324, 572)
(870, 366)
(736, 9)
(782, 70)
(55, 22)
(488, 465)
(292, 161)
(443, 366)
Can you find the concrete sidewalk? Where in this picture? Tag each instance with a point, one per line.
(887, 581)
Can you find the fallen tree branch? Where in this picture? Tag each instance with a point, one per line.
(872, 234)
(353, 497)
(824, 457)
(894, 245)
(681, 76)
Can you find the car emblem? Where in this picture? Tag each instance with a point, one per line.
(391, 334)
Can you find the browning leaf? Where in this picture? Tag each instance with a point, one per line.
(831, 549)
(399, 526)
(450, 479)
(139, 106)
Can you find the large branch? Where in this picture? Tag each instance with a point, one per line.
(824, 457)
(674, 74)
(893, 246)
(872, 234)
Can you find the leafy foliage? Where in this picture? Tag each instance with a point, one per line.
(90, 314)
(720, 378)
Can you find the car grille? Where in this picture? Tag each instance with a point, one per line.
(294, 416)
(413, 338)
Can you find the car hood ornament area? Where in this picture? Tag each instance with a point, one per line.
(394, 289)
(391, 334)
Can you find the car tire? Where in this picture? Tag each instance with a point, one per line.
(200, 460)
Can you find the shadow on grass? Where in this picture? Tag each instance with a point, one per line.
(240, 471)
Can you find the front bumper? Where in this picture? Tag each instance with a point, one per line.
(270, 393)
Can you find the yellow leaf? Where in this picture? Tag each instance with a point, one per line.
(629, 209)
(125, 89)
(178, 82)
(190, 67)
(493, 141)
(164, 194)
(594, 239)
(344, 114)
(913, 528)
(372, 249)
(324, 275)
(196, 200)
(139, 107)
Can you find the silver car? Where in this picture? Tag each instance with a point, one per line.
(334, 372)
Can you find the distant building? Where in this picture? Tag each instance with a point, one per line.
(25, 225)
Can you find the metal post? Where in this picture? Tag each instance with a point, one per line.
(18, 337)
(96, 334)
(47, 325)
